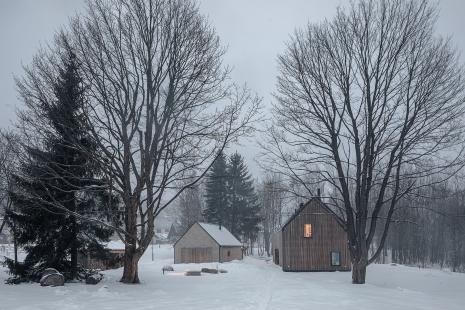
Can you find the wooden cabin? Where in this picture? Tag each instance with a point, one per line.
(205, 243)
(116, 248)
(313, 239)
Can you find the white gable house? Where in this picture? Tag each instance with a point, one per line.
(204, 243)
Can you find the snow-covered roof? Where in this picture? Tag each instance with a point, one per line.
(161, 235)
(115, 245)
(222, 236)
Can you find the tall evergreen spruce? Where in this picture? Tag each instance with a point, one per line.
(56, 173)
(230, 197)
(243, 202)
(216, 199)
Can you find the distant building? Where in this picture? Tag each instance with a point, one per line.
(5, 235)
(116, 251)
(204, 243)
(173, 235)
(313, 239)
(163, 224)
(4, 239)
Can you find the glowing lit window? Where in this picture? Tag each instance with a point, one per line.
(307, 230)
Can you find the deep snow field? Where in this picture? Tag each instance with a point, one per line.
(249, 284)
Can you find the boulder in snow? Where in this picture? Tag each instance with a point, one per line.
(49, 271)
(207, 270)
(93, 279)
(53, 279)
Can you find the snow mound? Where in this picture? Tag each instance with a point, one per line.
(167, 268)
(103, 289)
(61, 292)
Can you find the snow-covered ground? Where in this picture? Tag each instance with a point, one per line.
(249, 284)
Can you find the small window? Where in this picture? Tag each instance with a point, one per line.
(335, 258)
(158, 230)
(307, 230)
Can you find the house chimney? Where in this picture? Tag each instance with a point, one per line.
(318, 193)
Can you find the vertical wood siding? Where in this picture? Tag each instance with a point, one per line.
(234, 253)
(195, 237)
(314, 254)
(196, 255)
(277, 244)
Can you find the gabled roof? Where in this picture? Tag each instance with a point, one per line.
(338, 218)
(173, 232)
(222, 236)
(115, 245)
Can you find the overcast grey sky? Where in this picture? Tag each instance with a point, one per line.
(253, 30)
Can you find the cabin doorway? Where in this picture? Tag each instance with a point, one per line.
(276, 256)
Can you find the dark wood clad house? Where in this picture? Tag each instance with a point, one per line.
(313, 239)
(204, 243)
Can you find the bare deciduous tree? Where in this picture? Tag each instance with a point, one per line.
(8, 164)
(271, 196)
(370, 101)
(188, 206)
(159, 105)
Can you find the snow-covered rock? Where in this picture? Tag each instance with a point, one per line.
(53, 279)
(93, 279)
(49, 271)
(103, 289)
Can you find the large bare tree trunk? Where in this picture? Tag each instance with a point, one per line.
(359, 271)
(368, 103)
(131, 260)
(159, 105)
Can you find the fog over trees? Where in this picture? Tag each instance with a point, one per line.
(368, 114)
(158, 105)
(370, 103)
